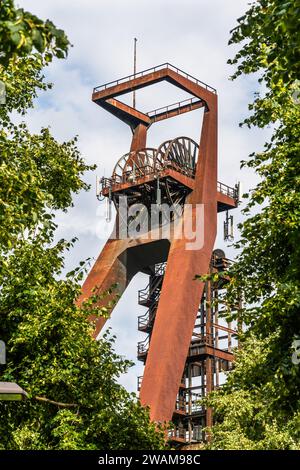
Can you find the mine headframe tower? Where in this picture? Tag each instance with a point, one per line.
(186, 348)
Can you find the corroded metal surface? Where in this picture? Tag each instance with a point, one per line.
(120, 260)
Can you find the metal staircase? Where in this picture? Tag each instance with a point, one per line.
(149, 297)
(209, 355)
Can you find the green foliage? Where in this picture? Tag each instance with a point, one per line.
(27, 44)
(21, 33)
(254, 409)
(259, 408)
(52, 355)
(74, 399)
(37, 176)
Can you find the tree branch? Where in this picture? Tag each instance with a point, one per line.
(65, 405)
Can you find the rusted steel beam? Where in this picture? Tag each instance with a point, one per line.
(125, 113)
(176, 313)
(121, 259)
(130, 85)
(225, 328)
(227, 356)
(139, 138)
(154, 69)
(179, 177)
(152, 78)
(207, 350)
(176, 111)
(118, 262)
(224, 202)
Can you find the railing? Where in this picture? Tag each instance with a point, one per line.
(150, 292)
(180, 404)
(196, 406)
(178, 433)
(166, 65)
(147, 319)
(229, 191)
(159, 269)
(143, 346)
(145, 296)
(198, 338)
(221, 263)
(131, 177)
(197, 434)
(173, 106)
(198, 341)
(106, 182)
(189, 403)
(183, 435)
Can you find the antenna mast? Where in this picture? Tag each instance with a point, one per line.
(134, 69)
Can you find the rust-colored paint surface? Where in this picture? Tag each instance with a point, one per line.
(120, 260)
(178, 306)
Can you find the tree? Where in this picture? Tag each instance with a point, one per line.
(74, 399)
(259, 406)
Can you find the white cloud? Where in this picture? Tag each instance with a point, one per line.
(192, 35)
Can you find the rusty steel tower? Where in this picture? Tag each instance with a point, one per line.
(186, 347)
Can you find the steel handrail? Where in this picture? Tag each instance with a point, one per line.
(143, 346)
(145, 294)
(117, 180)
(146, 319)
(154, 69)
(178, 104)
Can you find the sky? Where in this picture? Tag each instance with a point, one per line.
(190, 34)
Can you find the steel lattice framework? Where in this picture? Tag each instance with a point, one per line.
(183, 341)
